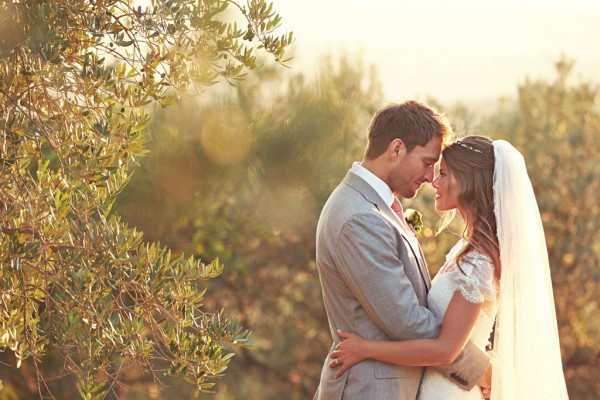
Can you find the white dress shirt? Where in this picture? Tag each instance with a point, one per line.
(382, 188)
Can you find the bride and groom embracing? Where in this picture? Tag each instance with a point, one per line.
(388, 320)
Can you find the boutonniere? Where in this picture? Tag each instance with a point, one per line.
(414, 219)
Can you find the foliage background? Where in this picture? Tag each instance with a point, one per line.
(85, 302)
(242, 175)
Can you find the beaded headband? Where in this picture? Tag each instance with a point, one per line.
(466, 146)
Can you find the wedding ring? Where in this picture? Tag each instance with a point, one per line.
(337, 362)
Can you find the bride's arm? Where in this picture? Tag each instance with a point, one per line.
(459, 320)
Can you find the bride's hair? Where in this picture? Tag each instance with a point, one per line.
(471, 161)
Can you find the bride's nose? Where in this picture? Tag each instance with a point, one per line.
(435, 182)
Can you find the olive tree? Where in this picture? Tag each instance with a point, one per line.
(76, 80)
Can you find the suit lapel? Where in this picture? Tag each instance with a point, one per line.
(371, 195)
(413, 244)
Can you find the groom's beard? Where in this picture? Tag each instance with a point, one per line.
(403, 187)
(411, 191)
(405, 181)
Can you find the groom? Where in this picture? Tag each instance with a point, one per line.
(372, 271)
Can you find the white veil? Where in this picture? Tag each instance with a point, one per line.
(527, 363)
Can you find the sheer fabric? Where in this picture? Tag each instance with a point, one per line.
(528, 363)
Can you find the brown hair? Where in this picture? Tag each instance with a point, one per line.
(471, 162)
(413, 122)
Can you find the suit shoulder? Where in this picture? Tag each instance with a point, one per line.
(347, 206)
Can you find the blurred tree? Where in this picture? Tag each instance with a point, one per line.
(243, 179)
(74, 279)
(555, 125)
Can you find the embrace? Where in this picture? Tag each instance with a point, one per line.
(388, 320)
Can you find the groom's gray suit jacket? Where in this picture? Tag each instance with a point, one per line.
(375, 282)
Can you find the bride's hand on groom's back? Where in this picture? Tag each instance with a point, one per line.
(347, 353)
(486, 380)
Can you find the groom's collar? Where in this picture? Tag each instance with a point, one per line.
(380, 187)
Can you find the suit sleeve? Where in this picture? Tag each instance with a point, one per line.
(468, 368)
(372, 270)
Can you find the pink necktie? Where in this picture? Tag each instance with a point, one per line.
(397, 207)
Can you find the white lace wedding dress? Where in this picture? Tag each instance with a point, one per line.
(475, 281)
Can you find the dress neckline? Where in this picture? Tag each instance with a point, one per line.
(451, 255)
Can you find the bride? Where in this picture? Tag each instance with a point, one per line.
(497, 271)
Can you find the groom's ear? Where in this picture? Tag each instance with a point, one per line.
(396, 148)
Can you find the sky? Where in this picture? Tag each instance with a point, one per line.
(459, 50)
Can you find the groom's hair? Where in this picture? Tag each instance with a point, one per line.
(413, 122)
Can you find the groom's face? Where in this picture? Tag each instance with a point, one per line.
(415, 168)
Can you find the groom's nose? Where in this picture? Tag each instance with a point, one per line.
(429, 175)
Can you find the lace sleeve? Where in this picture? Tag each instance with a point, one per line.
(475, 278)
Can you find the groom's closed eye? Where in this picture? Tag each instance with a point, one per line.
(428, 162)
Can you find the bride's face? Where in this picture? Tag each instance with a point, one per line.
(447, 189)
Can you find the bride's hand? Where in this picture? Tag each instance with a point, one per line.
(347, 353)
(486, 380)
